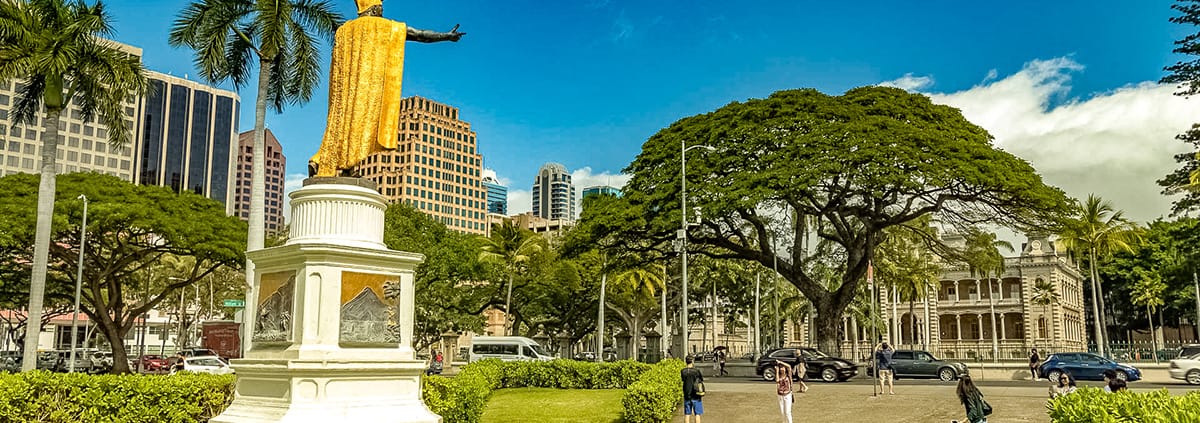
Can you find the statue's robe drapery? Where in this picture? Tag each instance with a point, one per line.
(364, 93)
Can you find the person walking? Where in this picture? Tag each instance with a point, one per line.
(972, 400)
(783, 386)
(1034, 361)
(1065, 385)
(693, 391)
(883, 365)
(721, 360)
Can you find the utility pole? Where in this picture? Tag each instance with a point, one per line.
(757, 317)
(1196, 323)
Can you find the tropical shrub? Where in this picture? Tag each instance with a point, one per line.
(52, 397)
(1091, 405)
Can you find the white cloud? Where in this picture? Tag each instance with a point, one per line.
(291, 183)
(1115, 144)
(908, 82)
(519, 201)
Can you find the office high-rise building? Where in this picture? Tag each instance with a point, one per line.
(497, 194)
(187, 135)
(601, 190)
(183, 135)
(553, 193)
(276, 165)
(436, 166)
(83, 145)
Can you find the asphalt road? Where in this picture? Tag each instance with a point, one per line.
(860, 380)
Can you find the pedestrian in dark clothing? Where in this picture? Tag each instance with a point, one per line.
(693, 391)
(721, 361)
(972, 400)
(1034, 361)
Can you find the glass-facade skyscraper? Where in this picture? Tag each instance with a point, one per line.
(186, 136)
(497, 195)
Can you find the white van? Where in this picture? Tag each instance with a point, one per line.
(507, 348)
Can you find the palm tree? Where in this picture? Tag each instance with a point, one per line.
(906, 264)
(1098, 231)
(1147, 291)
(635, 300)
(230, 37)
(983, 258)
(1045, 295)
(511, 247)
(59, 50)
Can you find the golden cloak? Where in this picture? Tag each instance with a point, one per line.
(364, 93)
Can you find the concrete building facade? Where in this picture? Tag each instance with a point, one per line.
(553, 193)
(276, 165)
(955, 321)
(83, 145)
(436, 166)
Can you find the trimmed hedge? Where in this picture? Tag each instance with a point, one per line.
(653, 398)
(463, 398)
(1092, 405)
(53, 397)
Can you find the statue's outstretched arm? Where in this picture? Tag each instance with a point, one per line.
(426, 36)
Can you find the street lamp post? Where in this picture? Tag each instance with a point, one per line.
(78, 285)
(683, 234)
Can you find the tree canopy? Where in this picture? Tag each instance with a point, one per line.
(130, 228)
(857, 164)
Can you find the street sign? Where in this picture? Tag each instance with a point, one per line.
(235, 303)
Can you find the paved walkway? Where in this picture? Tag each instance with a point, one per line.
(845, 403)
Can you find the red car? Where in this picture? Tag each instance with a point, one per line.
(153, 363)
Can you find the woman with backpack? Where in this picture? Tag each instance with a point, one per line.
(972, 400)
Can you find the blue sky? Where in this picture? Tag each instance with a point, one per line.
(585, 83)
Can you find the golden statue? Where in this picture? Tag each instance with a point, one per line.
(364, 88)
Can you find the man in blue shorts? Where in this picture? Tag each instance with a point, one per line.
(692, 391)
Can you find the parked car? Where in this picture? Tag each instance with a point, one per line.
(922, 364)
(1085, 366)
(820, 365)
(102, 361)
(83, 361)
(210, 364)
(10, 361)
(197, 352)
(151, 363)
(1187, 367)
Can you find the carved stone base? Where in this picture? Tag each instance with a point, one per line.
(297, 391)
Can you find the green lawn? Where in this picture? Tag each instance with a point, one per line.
(554, 405)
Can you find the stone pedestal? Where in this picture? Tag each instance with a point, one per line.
(333, 319)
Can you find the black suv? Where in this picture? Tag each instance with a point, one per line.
(820, 365)
(922, 364)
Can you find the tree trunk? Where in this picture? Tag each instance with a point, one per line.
(116, 338)
(45, 216)
(1153, 338)
(827, 329)
(1096, 305)
(255, 237)
(912, 317)
(992, 307)
(507, 307)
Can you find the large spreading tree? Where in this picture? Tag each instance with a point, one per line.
(57, 53)
(1186, 74)
(857, 164)
(131, 228)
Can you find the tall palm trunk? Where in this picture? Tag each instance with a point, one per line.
(45, 215)
(992, 317)
(1097, 305)
(507, 305)
(258, 189)
(1153, 337)
(912, 317)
